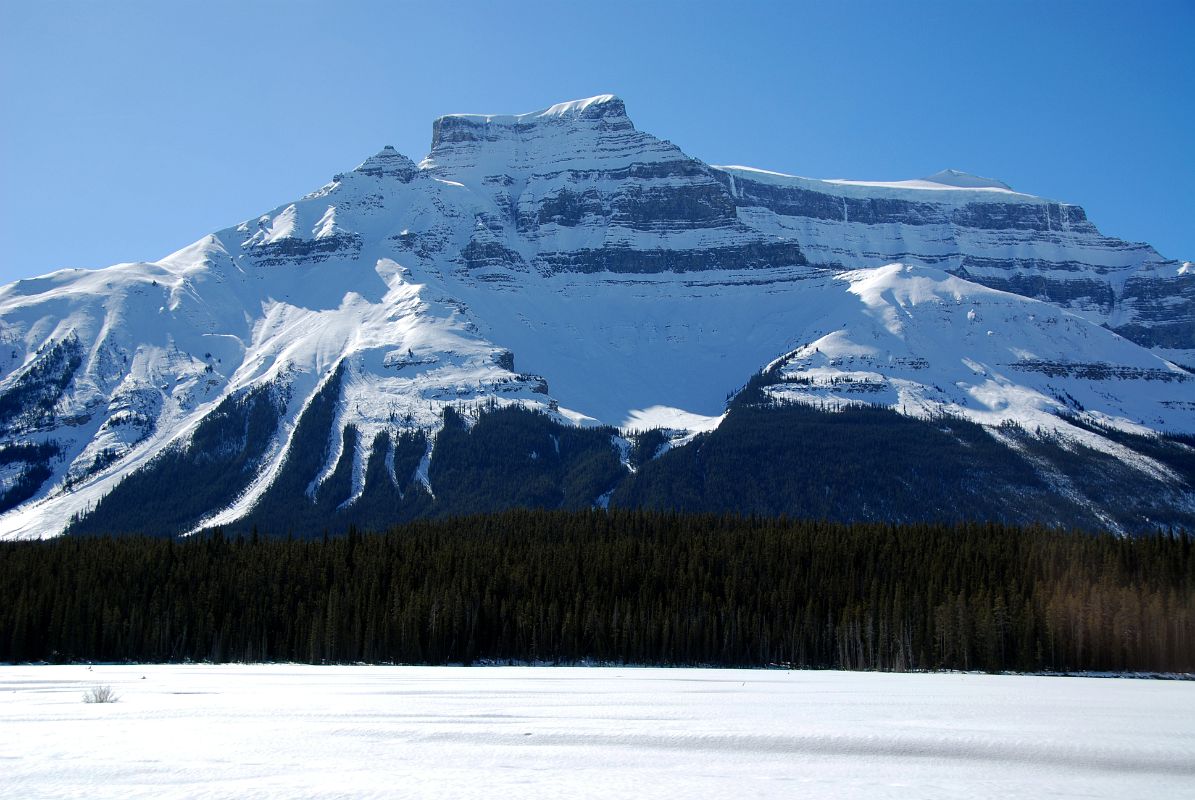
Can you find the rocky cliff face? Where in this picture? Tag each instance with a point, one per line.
(567, 262)
(580, 189)
(985, 233)
(576, 188)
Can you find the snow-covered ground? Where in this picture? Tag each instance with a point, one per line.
(300, 731)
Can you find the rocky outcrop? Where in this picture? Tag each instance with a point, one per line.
(985, 232)
(578, 189)
(389, 163)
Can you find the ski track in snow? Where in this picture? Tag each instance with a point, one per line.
(291, 731)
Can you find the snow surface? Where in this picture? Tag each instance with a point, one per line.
(946, 179)
(949, 182)
(288, 731)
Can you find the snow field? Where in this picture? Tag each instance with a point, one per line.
(511, 732)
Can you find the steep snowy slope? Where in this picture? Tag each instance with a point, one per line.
(926, 343)
(563, 260)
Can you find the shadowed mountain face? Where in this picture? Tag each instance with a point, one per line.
(564, 262)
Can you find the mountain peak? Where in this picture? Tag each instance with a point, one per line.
(603, 110)
(596, 107)
(388, 163)
(965, 180)
(303, 363)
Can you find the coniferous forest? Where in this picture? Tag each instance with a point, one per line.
(622, 586)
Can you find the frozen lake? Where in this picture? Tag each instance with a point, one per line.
(290, 731)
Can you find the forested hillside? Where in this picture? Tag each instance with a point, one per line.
(634, 587)
(864, 463)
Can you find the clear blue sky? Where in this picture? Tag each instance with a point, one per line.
(132, 129)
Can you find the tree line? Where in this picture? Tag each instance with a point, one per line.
(622, 586)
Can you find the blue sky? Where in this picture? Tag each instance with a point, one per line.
(132, 129)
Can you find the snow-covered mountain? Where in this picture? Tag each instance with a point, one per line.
(564, 261)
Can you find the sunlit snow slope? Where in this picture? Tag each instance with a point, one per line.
(565, 261)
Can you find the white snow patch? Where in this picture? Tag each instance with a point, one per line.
(668, 418)
(946, 182)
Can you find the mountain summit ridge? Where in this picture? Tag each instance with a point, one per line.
(567, 262)
(965, 180)
(595, 107)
